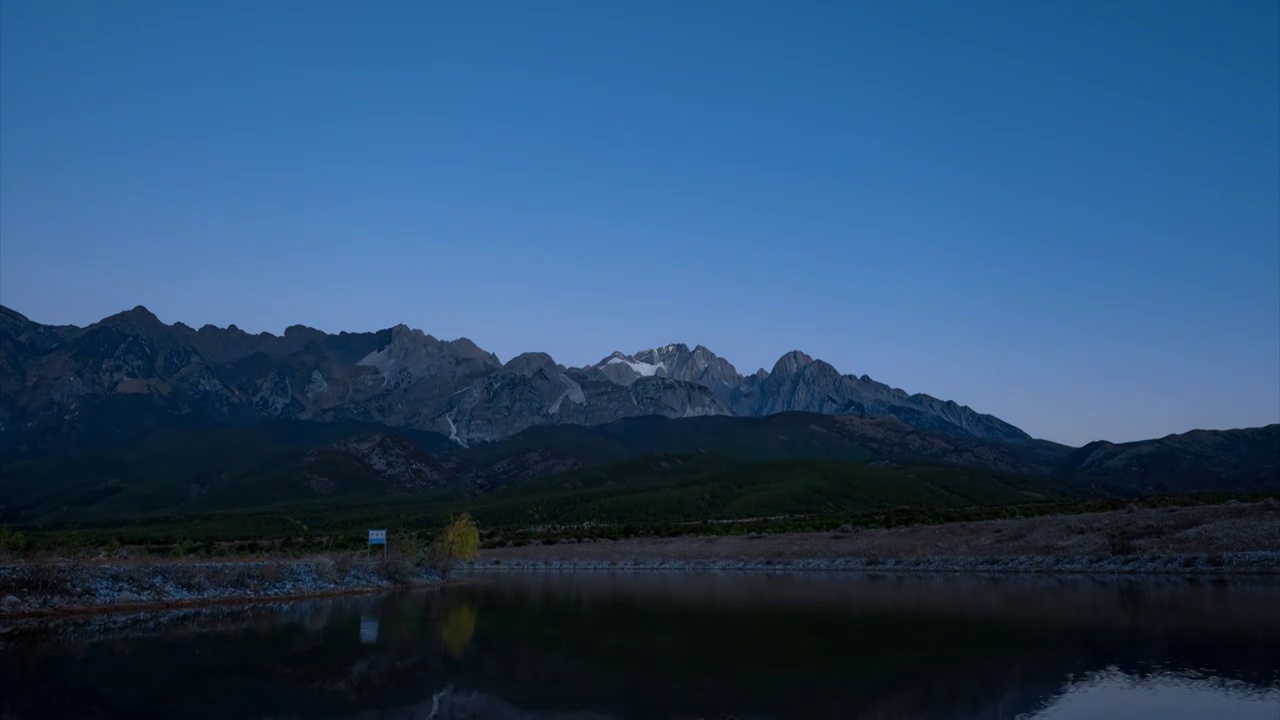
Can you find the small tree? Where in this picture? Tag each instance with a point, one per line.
(460, 540)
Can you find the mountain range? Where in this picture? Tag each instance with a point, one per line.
(64, 386)
(132, 417)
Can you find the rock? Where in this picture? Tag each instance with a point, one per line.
(10, 603)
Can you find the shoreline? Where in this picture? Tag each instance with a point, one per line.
(37, 590)
(1238, 540)
(165, 605)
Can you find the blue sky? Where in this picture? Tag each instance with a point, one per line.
(1065, 214)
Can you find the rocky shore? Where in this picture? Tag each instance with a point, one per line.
(1198, 540)
(54, 587)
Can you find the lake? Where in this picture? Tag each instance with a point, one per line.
(593, 646)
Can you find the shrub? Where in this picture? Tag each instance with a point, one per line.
(342, 564)
(460, 540)
(397, 569)
(1120, 544)
(13, 542)
(407, 547)
(272, 572)
(326, 569)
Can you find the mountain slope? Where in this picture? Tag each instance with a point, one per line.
(248, 466)
(1196, 461)
(658, 489)
(192, 469)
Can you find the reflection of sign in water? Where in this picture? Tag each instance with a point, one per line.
(368, 629)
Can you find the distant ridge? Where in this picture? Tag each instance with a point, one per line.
(68, 384)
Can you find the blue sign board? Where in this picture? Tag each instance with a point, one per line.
(377, 537)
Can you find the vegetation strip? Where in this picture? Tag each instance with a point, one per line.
(1207, 539)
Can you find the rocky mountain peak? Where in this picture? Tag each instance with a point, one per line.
(138, 318)
(624, 369)
(527, 364)
(412, 354)
(303, 333)
(15, 328)
(463, 347)
(11, 316)
(403, 333)
(791, 363)
(674, 350)
(820, 369)
(681, 363)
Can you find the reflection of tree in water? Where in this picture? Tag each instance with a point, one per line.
(457, 627)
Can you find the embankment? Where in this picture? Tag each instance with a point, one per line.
(55, 587)
(1209, 539)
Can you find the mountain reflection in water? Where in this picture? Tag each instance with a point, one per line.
(678, 646)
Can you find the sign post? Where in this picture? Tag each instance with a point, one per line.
(377, 537)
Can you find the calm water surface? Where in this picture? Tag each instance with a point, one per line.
(678, 646)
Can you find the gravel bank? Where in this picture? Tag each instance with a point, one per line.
(60, 587)
(1232, 538)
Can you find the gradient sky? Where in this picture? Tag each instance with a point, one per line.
(1065, 214)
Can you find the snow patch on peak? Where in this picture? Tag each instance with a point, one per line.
(643, 368)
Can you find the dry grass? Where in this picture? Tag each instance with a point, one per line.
(1207, 530)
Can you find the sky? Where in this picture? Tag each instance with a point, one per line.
(1063, 214)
